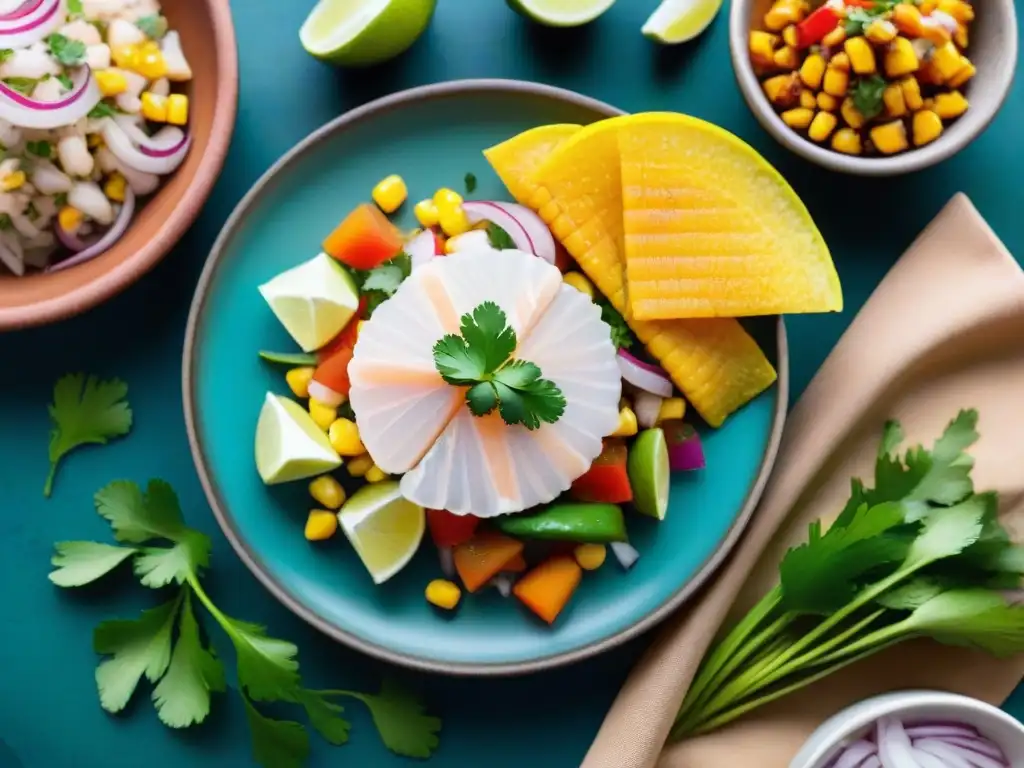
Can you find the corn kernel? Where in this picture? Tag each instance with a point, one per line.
(813, 70)
(827, 102)
(808, 100)
(70, 219)
(840, 61)
(454, 221)
(116, 187)
(901, 58)
(762, 47)
(862, 56)
(935, 33)
(966, 72)
(344, 437)
(929, 104)
(447, 198)
(443, 593)
(177, 109)
(958, 9)
(783, 90)
(149, 61)
(911, 93)
(907, 19)
(798, 118)
(627, 424)
(790, 36)
(321, 525)
(590, 556)
(837, 82)
(847, 141)
(881, 32)
(851, 114)
(892, 97)
(947, 61)
(111, 82)
(927, 127)
(426, 213)
(390, 193)
(890, 138)
(298, 380)
(359, 466)
(13, 181)
(327, 491)
(781, 15)
(672, 408)
(950, 105)
(579, 282)
(835, 38)
(822, 126)
(323, 414)
(375, 474)
(154, 108)
(124, 55)
(927, 6)
(786, 58)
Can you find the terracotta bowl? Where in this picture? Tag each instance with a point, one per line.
(208, 38)
(993, 50)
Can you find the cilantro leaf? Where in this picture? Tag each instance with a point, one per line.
(499, 238)
(947, 532)
(482, 398)
(540, 401)
(276, 743)
(137, 647)
(470, 183)
(518, 374)
(102, 109)
(66, 82)
(486, 330)
(975, 618)
(456, 362)
(325, 716)
(947, 479)
(85, 411)
(404, 727)
(25, 85)
(6, 54)
(70, 53)
(857, 20)
(867, 96)
(83, 562)
(153, 26)
(386, 278)
(137, 518)
(159, 566)
(622, 335)
(267, 668)
(74, 7)
(182, 697)
(912, 594)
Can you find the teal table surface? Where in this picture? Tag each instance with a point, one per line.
(49, 714)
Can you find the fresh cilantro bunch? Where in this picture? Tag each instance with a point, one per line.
(166, 644)
(479, 359)
(85, 410)
(918, 555)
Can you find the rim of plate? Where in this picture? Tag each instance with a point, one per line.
(295, 603)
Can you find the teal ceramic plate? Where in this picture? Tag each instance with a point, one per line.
(433, 137)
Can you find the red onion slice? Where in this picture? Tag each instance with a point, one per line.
(647, 408)
(165, 152)
(978, 744)
(928, 760)
(969, 756)
(421, 249)
(940, 730)
(527, 230)
(894, 747)
(855, 754)
(72, 242)
(23, 10)
(116, 231)
(30, 23)
(27, 112)
(871, 762)
(649, 378)
(625, 553)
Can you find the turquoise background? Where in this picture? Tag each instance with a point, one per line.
(49, 717)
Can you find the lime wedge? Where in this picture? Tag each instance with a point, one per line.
(676, 21)
(313, 301)
(649, 473)
(561, 13)
(357, 33)
(289, 444)
(385, 528)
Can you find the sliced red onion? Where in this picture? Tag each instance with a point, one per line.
(26, 112)
(72, 242)
(871, 762)
(894, 747)
(685, 451)
(527, 230)
(972, 758)
(940, 730)
(928, 760)
(421, 249)
(29, 23)
(162, 154)
(447, 558)
(112, 235)
(977, 744)
(649, 378)
(944, 752)
(855, 754)
(625, 553)
(647, 408)
(325, 394)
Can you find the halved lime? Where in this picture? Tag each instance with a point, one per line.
(357, 33)
(289, 444)
(384, 527)
(649, 473)
(313, 301)
(676, 21)
(561, 13)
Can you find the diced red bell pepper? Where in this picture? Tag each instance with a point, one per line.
(448, 530)
(365, 239)
(814, 28)
(439, 242)
(868, 4)
(607, 481)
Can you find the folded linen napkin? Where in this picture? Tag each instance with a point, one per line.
(943, 331)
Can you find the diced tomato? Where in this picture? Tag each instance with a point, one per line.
(607, 481)
(450, 530)
(814, 28)
(365, 239)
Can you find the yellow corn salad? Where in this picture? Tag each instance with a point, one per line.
(865, 77)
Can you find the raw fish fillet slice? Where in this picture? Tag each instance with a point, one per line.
(712, 230)
(715, 363)
(515, 160)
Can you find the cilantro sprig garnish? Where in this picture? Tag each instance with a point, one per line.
(920, 554)
(168, 646)
(867, 96)
(85, 411)
(480, 359)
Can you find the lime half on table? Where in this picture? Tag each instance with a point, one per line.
(677, 21)
(649, 473)
(358, 33)
(384, 527)
(560, 13)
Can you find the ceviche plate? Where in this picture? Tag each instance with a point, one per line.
(434, 137)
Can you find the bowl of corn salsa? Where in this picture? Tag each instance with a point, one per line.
(874, 87)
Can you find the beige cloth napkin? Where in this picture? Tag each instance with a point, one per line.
(944, 331)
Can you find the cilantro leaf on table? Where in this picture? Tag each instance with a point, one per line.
(83, 562)
(326, 717)
(153, 26)
(947, 532)
(867, 96)
(267, 668)
(159, 566)
(70, 53)
(404, 727)
(975, 618)
(499, 238)
(85, 411)
(138, 517)
(276, 743)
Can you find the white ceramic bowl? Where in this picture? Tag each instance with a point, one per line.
(853, 722)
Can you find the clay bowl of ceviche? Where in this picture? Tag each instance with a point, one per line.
(115, 119)
(507, 395)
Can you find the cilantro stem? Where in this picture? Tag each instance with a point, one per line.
(48, 486)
